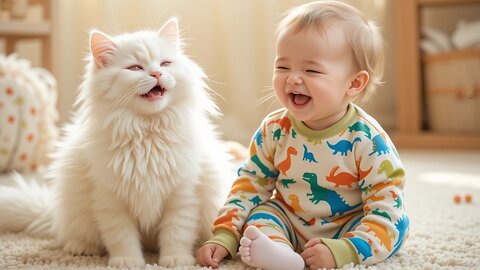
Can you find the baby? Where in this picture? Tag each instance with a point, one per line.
(323, 184)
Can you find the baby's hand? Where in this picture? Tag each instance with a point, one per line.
(318, 255)
(211, 255)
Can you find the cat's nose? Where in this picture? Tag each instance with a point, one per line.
(156, 74)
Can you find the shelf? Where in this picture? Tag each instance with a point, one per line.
(13, 31)
(446, 2)
(431, 140)
(411, 115)
(24, 29)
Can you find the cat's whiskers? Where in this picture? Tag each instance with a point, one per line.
(265, 98)
(210, 90)
(270, 96)
(123, 95)
(123, 99)
(142, 82)
(128, 97)
(131, 94)
(271, 104)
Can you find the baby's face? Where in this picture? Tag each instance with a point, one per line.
(312, 72)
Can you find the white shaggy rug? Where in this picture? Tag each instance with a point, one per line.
(444, 235)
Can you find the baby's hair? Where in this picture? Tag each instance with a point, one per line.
(363, 35)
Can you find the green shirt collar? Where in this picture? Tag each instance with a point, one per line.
(331, 131)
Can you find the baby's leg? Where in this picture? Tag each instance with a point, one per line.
(264, 243)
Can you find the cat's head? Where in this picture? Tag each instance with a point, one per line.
(145, 72)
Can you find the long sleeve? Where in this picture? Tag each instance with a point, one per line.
(384, 226)
(254, 186)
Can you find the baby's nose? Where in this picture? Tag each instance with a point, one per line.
(294, 79)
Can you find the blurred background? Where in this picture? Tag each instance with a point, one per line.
(233, 41)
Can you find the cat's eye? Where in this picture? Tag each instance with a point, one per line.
(165, 63)
(135, 68)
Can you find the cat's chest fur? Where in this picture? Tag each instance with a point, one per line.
(145, 162)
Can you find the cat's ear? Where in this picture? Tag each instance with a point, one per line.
(101, 47)
(169, 31)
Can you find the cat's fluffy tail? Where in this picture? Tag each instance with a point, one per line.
(26, 206)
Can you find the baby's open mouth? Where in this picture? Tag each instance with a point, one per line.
(299, 99)
(155, 93)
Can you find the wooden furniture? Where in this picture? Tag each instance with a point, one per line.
(15, 30)
(410, 94)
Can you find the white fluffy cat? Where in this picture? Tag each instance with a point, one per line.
(139, 166)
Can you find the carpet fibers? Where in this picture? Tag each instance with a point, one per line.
(444, 234)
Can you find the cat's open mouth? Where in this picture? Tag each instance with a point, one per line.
(155, 93)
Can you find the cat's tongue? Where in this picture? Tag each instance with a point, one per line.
(154, 94)
(300, 99)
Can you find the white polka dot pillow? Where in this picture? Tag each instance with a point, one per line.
(27, 115)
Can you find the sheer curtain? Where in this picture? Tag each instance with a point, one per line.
(233, 41)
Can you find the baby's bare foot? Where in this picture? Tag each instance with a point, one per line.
(257, 250)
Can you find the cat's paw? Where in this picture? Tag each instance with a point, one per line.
(80, 247)
(177, 260)
(126, 262)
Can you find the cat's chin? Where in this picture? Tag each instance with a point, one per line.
(151, 105)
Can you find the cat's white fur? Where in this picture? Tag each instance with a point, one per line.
(131, 173)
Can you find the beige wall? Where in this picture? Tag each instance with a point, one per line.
(232, 40)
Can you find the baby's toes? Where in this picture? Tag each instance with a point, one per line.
(245, 242)
(244, 251)
(244, 254)
(252, 232)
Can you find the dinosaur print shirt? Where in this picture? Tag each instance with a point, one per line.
(342, 184)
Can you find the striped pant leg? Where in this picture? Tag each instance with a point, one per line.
(272, 223)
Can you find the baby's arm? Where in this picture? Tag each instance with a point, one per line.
(382, 229)
(254, 186)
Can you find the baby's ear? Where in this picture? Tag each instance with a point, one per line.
(101, 47)
(169, 31)
(358, 83)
